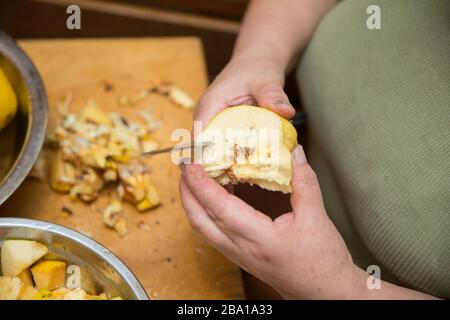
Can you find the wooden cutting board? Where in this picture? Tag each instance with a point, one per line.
(168, 257)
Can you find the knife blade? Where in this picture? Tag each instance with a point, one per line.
(189, 145)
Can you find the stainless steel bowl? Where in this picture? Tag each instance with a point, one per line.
(22, 139)
(107, 272)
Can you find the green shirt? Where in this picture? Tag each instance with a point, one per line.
(378, 104)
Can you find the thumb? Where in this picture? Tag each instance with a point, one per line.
(306, 193)
(273, 97)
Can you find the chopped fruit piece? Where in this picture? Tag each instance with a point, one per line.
(111, 213)
(76, 294)
(96, 297)
(25, 277)
(151, 200)
(150, 121)
(57, 294)
(50, 274)
(112, 218)
(91, 113)
(121, 226)
(28, 292)
(181, 98)
(62, 174)
(148, 144)
(17, 255)
(137, 187)
(121, 158)
(84, 192)
(43, 294)
(110, 175)
(10, 288)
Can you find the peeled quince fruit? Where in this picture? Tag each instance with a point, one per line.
(49, 274)
(249, 144)
(8, 101)
(17, 255)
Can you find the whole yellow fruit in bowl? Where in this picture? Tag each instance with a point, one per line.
(8, 101)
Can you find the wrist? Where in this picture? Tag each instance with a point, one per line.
(263, 52)
(347, 283)
(259, 57)
(258, 65)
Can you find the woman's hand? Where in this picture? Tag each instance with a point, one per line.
(250, 81)
(300, 254)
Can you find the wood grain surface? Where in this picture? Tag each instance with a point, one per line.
(168, 257)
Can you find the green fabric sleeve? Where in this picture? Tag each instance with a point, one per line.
(378, 104)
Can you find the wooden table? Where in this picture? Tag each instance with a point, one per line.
(169, 258)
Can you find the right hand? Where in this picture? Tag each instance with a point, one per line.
(245, 81)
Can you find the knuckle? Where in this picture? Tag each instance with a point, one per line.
(202, 104)
(260, 254)
(221, 212)
(197, 174)
(195, 224)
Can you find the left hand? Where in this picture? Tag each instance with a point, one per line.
(300, 254)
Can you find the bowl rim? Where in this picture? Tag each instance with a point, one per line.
(85, 241)
(36, 127)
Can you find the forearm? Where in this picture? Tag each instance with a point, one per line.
(387, 291)
(276, 31)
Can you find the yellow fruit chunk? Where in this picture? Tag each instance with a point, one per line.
(148, 144)
(151, 200)
(59, 293)
(61, 174)
(28, 292)
(76, 294)
(25, 277)
(17, 255)
(96, 297)
(121, 158)
(50, 274)
(8, 101)
(10, 288)
(91, 113)
(43, 294)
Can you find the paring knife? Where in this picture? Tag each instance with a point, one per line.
(298, 120)
(184, 146)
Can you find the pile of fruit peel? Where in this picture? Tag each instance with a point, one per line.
(93, 149)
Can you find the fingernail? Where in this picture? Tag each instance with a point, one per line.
(299, 155)
(282, 102)
(183, 162)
